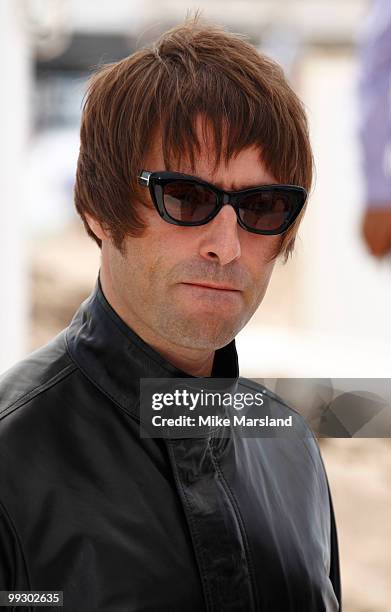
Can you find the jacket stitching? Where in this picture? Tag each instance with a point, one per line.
(18, 403)
(196, 537)
(129, 412)
(97, 385)
(194, 530)
(235, 506)
(193, 522)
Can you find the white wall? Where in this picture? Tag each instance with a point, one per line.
(14, 122)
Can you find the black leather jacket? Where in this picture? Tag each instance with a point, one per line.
(123, 523)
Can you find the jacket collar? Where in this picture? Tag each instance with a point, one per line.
(114, 357)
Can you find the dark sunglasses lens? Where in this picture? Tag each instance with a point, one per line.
(268, 210)
(188, 202)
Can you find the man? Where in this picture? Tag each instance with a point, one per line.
(375, 129)
(179, 146)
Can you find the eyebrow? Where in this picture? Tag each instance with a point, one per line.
(234, 188)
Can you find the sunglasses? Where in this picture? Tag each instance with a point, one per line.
(185, 200)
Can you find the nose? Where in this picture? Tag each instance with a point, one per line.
(220, 237)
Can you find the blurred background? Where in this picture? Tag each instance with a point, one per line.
(327, 312)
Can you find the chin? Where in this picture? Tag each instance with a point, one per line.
(205, 333)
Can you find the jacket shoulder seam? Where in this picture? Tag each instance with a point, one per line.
(130, 412)
(18, 403)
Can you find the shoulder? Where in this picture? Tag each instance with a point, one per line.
(37, 400)
(29, 391)
(35, 374)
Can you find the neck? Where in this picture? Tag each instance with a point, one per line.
(195, 362)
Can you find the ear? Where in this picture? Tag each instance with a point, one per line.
(96, 227)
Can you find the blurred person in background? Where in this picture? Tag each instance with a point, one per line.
(375, 110)
(193, 172)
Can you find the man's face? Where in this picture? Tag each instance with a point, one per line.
(160, 284)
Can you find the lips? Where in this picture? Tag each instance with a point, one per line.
(213, 286)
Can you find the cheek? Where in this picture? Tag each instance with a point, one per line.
(270, 246)
(259, 254)
(150, 257)
(171, 244)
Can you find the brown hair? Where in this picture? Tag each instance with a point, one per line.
(193, 69)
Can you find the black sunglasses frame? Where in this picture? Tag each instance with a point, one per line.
(156, 181)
